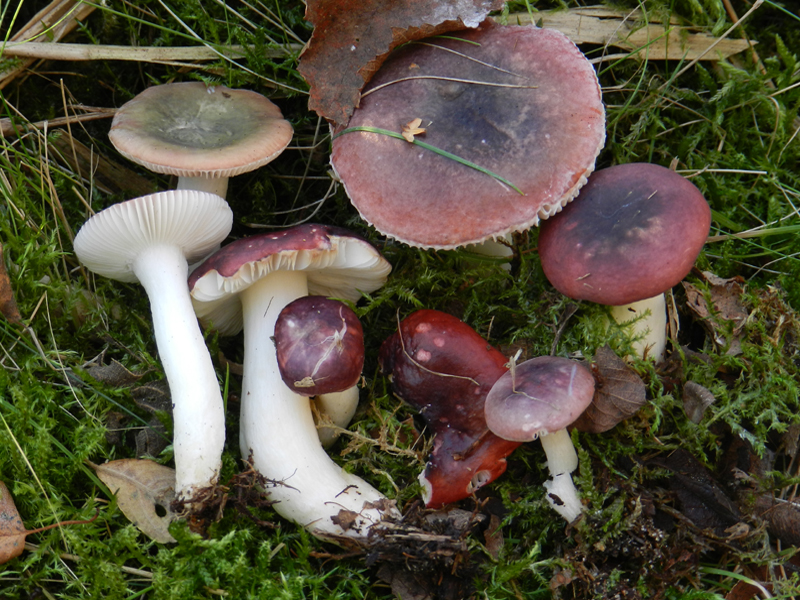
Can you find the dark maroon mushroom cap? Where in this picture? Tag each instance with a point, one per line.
(338, 264)
(633, 232)
(320, 346)
(544, 395)
(541, 128)
(439, 365)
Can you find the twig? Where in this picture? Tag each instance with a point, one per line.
(150, 54)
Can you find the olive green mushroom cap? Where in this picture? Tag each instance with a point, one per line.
(192, 130)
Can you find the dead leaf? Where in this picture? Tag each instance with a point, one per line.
(12, 531)
(113, 374)
(405, 584)
(643, 36)
(153, 396)
(352, 38)
(493, 537)
(619, 393)
(725, 317)
(143, 489)
(696, 399)
(702, 500)
(8, 306)
(345, 519)
(411, 129)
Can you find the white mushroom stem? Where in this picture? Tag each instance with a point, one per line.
(197, 408)
(649, 332)
(214, 185)
(339, 407)
(561, 461)
(277, 427)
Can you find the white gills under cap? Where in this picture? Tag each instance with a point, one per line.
(110, 241)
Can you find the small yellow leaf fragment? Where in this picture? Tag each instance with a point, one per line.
(411, 129)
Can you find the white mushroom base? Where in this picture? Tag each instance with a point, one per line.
(649, 332)
(279, 435)
(561, 461)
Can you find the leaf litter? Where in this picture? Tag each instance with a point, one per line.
(352, 38)
(12, 529)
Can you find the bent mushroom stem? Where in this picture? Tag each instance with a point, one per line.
(649, 332)
(277, 427)
(561, 461)
(198, 413)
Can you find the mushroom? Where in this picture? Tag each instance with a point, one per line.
(439, 365)
(149, 240)
(202, 134)
(522, 102)
(634, 232)
(247, 283)
(539, 398)
(319, 344)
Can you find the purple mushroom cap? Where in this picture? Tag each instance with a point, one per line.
(541, 395)
(320, 346)
(633, 232)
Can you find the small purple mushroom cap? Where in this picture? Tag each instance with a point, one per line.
(320, 346)
(541, 395)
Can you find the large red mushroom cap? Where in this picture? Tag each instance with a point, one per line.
(444, 369)
(521, 102)
(633, 232)
(319, 343)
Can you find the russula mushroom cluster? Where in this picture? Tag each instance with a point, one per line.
(634, 232)
(246, 284)
(150, 240)
(522, 102)
(203, 134)
(441, 366)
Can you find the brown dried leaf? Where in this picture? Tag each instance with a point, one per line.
(493, 537)
(113, 374)
(782, 518)
(12, 530)
(696, 399)
(405, 584)
(153, 396)
(702, 501)
(142, 487)
(8, 306)
(725, 310)
(352, 38)
(619, 393)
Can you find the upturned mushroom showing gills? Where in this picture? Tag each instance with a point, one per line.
(202, 134)
(149, 240)
(246, 284)
(539, 398)
(521, 102)
(319, 344)
(633, 232)
(439, 365)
